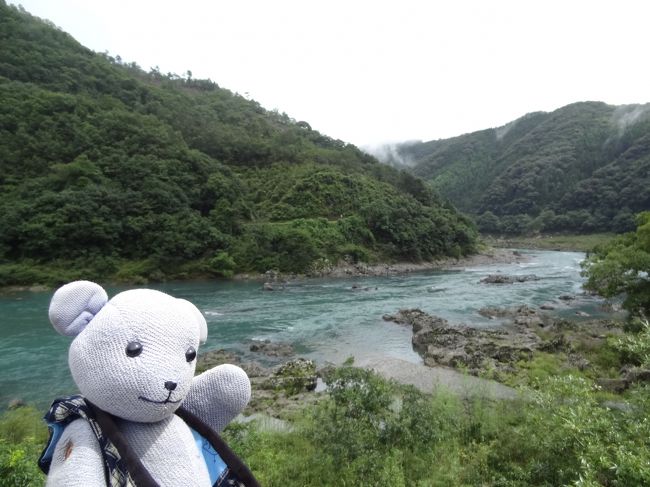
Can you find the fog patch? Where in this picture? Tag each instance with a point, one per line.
(627, 115)
(392, 153)
(500, 132)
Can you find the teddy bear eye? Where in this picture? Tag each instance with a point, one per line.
(190, 354)
(133, 349)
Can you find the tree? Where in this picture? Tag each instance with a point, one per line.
(109, 171)
(543, 222)
(622, 267)
(515, 224)
(488, 222)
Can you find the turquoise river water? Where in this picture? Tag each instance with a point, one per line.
(324, 319)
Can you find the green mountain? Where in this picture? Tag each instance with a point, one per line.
(582, 168)
(107, 171)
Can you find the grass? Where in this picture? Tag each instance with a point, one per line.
(368, 431)
(578, 243)
(542, 367)
(23, 435)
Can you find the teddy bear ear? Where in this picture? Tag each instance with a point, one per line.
(198, 318)
(74, 305)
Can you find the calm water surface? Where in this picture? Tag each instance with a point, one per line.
(324, 319)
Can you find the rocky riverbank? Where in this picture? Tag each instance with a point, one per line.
(503, 351)
(279, 392)
(292, 383)
(457, 356)
(274, 281)
(487, 257)
(473, 349)
(276, 391)
(562, 242)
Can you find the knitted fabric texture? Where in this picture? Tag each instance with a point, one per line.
(137, 388)
(134, 357)
(64, 411)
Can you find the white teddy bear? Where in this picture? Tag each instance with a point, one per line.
(143, 418)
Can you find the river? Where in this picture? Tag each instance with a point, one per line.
(324, 319)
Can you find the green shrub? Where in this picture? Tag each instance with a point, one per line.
(23, 435)
(18, 464)
(635, 348)
(371, 432)
(223, 265)
(354, 253)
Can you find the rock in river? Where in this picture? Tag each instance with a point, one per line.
(475, 349)
(272, 349)
(295, 376)
(505, 279)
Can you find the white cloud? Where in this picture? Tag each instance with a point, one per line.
(369, 72)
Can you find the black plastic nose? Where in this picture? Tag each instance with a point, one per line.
(170, 386)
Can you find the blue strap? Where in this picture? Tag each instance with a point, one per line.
(56, 430)
(216, 466)
(66, 410)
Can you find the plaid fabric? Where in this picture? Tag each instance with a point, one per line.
(65, 410)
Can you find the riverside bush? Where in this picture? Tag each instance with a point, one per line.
(22, 439)
(635, 349)
(372, 432)
(369, 431)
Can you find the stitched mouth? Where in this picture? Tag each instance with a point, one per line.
(168, 400)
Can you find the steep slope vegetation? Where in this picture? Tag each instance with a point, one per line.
(107, 171)
(583, 167)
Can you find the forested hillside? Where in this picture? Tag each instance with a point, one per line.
(582, 168)
(108, 171)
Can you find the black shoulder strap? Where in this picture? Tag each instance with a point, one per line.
(235, 464)
(137, 471)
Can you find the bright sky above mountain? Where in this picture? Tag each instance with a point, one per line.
(370, 72)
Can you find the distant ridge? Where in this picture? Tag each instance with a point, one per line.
(582, 168)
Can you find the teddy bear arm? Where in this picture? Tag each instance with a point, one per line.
(218, 395)
(77, 458)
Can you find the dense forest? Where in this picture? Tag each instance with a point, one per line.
(582, 168)
(109, 171)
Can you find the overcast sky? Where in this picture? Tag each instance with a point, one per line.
(369, 72)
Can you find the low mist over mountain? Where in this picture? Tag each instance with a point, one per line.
(108, 171)
(584, 167)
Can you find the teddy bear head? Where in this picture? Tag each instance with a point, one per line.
(133, 356)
